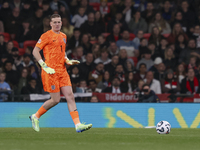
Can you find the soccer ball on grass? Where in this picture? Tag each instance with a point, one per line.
(163, 127)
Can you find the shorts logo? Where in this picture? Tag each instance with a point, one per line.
(53, 87)
(39, 41)
(64, 40)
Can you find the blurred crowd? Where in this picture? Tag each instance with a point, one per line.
(124, 46)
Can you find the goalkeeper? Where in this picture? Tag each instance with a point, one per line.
(54, 74)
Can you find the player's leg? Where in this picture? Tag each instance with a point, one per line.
(68, 93)
(55, 99)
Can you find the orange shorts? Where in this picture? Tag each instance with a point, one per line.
(53, 82)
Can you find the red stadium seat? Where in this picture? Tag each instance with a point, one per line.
(147, 36)
(135, 60)
(109, 4)
(132, 36)
(105, 34)
(29, 43)
(6, 36)
(21, 51)
(95, 6)
(16, 44)
(166, 35)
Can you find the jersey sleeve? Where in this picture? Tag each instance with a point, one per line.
(42, 41)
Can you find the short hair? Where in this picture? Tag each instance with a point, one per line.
(92, 80)
(76, 29)
(55, 16)
(142, 64)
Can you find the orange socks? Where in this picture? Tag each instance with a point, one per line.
(40, 112)
(75, 117)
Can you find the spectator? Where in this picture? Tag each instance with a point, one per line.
(31, 87)
(64, 10)
(188, 15)
(115, 88)
(148, 95)
(76, 89)
(119, 72)
(105, 81)
(149, 13)
(154, 51)
(75, 40)
(157, 61)
(163, 26)
(83, 85)
(179, 19)
(101, 41)
(123, 57)
(5, 9)
(177, 29)
(162, 46)
(67, 28)
(15, 57)
(128, 45)
(16, 4)
(115, 35)
(26, 62)
(25, 33)
(170, 61)
(79, 18)
(9, 47)
(47, 11)
(167, 11)
(129, 65)
(196, 35)
(99, 21)
(180, 44)
(138, 89)
(143, 47)
(103, 57)
(94, 99)
(170, 84)
(110, 67)
(128, 10)
(137, 23)
(191, 50)
(118, 19)
(104, 9)
(180, 72)
(146, 60)
(85, 43)
(56, 5)
(190, 84)
(129, 84)
(113, 49)
(93, 87)
(36, 20)
(91, 27)
(160, 73)
(4, 86)
(96, 51)
(12, 77)
(117, 5)
(3, 59)
(2, 45)
(97, 73)
(88, 8)
(43, 28)
(22, 80)
(153, 83)
(138, 38)
(141, 73)
(74, 74)
(155, 36)
(26, 11)
(12, 23)
(87, 66)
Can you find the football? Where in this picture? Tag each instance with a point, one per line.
(163, 127)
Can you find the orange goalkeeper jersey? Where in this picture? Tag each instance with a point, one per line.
(53, 46)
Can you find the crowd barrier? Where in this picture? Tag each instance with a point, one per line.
(104, 115)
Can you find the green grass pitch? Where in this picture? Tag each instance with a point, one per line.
(98, 139)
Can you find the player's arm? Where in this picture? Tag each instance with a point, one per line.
(36, 54)
(71, 62)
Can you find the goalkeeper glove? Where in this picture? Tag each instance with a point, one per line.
(45, 67)
(71, 62)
